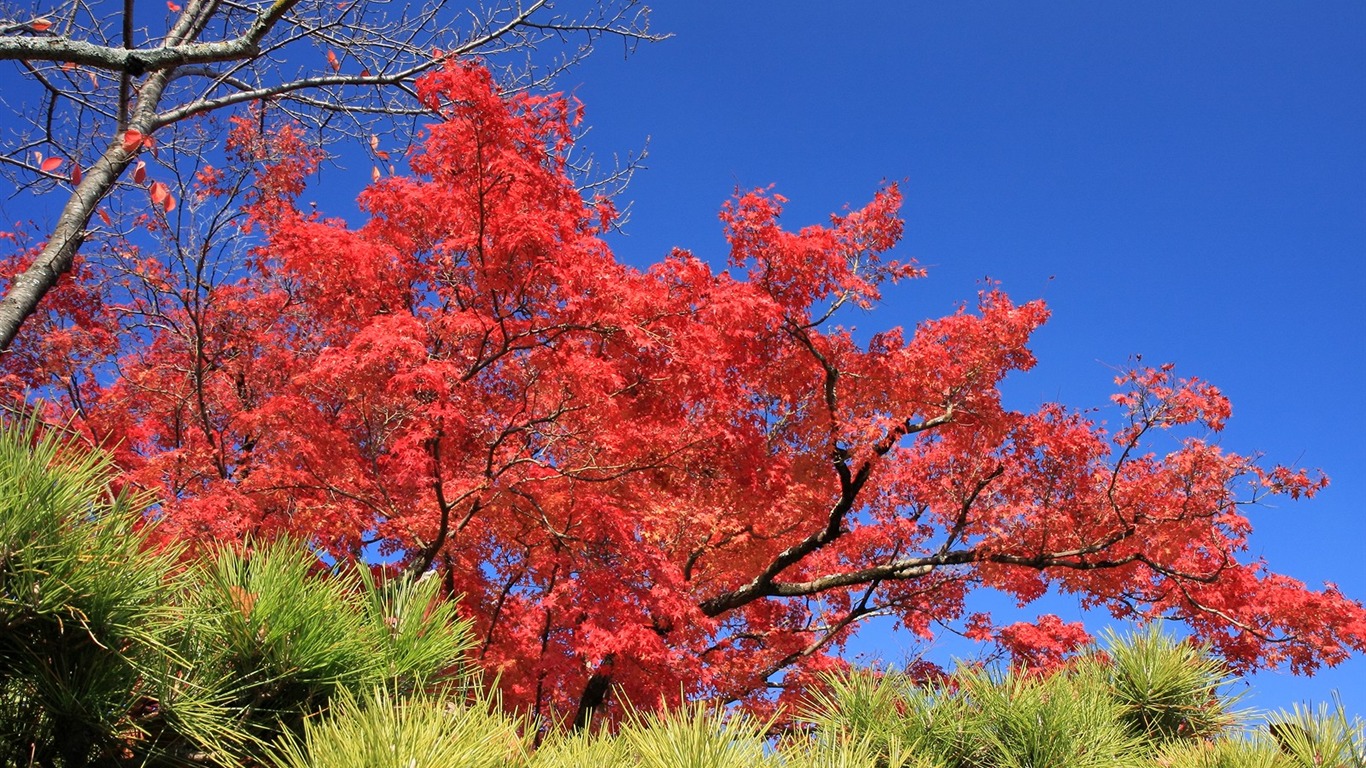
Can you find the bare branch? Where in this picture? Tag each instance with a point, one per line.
(137, 62)
(314, 59)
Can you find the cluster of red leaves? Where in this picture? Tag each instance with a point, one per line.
(680, 480)
(1044, 644)
(71, 327)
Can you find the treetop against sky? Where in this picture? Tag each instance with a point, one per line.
(1184, 183)
(467, 375)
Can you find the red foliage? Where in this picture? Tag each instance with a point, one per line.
(675, 479)
(1043, 645)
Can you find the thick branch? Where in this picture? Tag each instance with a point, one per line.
(141, 61)
(428, 554)
(859, 611)
(912, 568)
(29, 287)
(851, 483)
(594, 693)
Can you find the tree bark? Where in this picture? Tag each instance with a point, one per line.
(58, 254)
(594, 693)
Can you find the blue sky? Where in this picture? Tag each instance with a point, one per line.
(1181, 181)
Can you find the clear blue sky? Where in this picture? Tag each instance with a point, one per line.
(1184, 181)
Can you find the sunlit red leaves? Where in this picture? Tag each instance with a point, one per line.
(161, 196)
(604, 449)
(210, 181)
(841, 262)
(71, 336)
(1044, 644)
(134, 140)
(284, 160)
(158, 191)
(1295, 483)
(1156, 398)
(47, 165)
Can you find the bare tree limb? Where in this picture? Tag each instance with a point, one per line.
(109, 95)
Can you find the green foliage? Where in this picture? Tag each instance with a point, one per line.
(1023, 720)
(1325, 737)
(1170, 690)
(415, 635)
(1149, 700)
(693, 736)
(1223, 753)
(893, 718)
(274, 640)
(980, 719)
(818, 749)
(79, 597)
(276, 636)
(114, 652)
(387, 730)
(587, 748)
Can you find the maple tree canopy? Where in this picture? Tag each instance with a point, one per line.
(660, 482)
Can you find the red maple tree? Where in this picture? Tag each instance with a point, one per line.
(667, 482)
